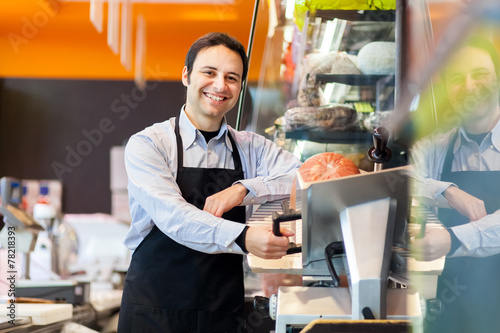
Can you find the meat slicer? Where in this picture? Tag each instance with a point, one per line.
(350, 226)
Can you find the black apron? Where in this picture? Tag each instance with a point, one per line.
(172, 288)
(468, 291)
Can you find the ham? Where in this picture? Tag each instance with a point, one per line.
(324, 166)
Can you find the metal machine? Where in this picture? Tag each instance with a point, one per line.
(358, 221)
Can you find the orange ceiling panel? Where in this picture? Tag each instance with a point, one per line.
(55, 39)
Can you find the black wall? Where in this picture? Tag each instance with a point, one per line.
(64, 129)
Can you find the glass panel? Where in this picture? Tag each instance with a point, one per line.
(327, 86)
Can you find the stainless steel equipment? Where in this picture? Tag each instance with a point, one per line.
(356, 219)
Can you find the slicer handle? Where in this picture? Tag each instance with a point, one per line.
(278, 218)
(332, 249)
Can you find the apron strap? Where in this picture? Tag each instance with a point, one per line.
(180, 148)
(236, 154)
(449, 155)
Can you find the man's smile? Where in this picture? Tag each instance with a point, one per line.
(215, 97)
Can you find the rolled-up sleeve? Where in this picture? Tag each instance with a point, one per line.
(428, 157)
(270, 170)
(479, 238)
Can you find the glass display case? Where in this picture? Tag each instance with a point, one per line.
(339, 78)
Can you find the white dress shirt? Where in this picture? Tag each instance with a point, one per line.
(479, 238)
(155, 198)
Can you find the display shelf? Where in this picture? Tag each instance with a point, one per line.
(356, 79)
(357, 15)
(321, 136)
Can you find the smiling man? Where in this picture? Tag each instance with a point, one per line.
(459, 174)
(213, 87)
(189, 179)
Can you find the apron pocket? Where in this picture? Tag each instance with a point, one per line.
(146, 319)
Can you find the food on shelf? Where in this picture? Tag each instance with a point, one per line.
(332, 117)
(309, 96)
(336, 117)
(298, 118)
(378, 58)
(344, 63)
(322, 63)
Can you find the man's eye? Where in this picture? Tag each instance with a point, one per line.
(208, 72)
(457, 80)
(480, 75)
(232, 78)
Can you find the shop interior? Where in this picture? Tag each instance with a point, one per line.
(78, 78)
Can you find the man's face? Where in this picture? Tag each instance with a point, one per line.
(471, 82)
(214, 84)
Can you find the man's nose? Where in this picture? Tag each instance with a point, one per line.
(219, 83)
(470, 84)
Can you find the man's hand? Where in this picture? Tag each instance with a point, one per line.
(466, 204)
(225, 200)
(261, 242)
(435, 244)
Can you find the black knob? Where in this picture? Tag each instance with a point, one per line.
(380, 153)
(380, 138)
(367, 313)
(261, 305)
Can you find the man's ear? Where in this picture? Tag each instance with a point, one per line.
(185, 79)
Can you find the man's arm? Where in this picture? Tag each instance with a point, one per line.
(156, 198)
(480, 238)
(427, 156)
(269, 174)
(261, 242)
(466, 204)
(270, 170)
(225, 200)
(435, 244)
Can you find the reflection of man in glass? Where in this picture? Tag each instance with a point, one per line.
(460, 172)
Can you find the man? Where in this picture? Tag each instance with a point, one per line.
(189, 179)
(460, 174)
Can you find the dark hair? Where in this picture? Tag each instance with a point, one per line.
(484, 45)
(215, 39)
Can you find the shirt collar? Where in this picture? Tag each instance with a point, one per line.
(190, 133)
(186, 129)
(494, 135)
(224, 129)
